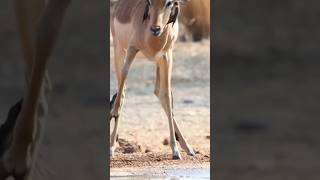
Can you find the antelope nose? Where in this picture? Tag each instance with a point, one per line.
(155, 30)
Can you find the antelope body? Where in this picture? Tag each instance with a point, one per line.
(149, 27)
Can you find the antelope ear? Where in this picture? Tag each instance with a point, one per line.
(175, 11)
(146, 11)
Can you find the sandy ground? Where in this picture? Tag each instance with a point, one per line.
(144, 123)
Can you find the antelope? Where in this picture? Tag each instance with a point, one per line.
(149, 27)
(38, 24)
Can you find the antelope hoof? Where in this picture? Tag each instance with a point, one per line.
(176, 156)
(191, 152)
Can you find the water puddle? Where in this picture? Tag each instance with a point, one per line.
(174, 174)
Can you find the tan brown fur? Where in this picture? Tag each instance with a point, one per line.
(124, 10)
(195, 15)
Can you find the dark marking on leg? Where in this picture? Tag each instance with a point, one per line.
(7, 127)
(176, 135)
(113, 99)
(172, 102)
(111, 104)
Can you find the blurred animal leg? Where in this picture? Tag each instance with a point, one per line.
(20, 157)
(27, 13)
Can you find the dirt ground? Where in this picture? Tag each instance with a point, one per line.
(144, 123)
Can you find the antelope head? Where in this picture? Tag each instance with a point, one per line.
(161, 13)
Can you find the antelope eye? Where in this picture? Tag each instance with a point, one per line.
(169, 4)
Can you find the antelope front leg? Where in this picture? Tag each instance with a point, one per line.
(117, 105)
(164, 94)
(119, 57)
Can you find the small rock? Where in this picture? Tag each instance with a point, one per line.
(165, 142)
(147, 150)
(187, 101)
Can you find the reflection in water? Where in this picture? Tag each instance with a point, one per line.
(172, 174)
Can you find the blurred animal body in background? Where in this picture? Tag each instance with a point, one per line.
(195, 16)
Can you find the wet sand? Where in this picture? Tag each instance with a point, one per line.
(172, 172)
(143, 160)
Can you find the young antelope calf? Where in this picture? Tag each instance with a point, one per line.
(151, 27)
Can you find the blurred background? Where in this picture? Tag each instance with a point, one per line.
(266, 90)
(74, 146)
